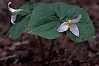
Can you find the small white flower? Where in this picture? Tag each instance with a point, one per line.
(13, 17)
(70, 24)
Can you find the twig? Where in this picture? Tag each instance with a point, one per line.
(50, 52)
(59, 60)
(6, 58)
(16, 44)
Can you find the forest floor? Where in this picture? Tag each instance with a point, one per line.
(26, 50)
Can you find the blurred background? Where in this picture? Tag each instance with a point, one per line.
(26, 50)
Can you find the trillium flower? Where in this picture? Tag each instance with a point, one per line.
(13, 17)
(70, 25)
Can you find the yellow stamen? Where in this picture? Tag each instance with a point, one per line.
(69, 24)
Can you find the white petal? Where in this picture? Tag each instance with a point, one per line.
(74, 29)
(77, 19)
(13, 18)
(69, 21)
(63, 27)
(11, 9)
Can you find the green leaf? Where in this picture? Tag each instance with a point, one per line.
(43, 23)
(46, 19)
(60, 9)
(18, 28)
(89, 54)
(16, 60)
(27, 7)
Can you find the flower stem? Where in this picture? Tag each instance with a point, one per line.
(31, 2)
(50, 52)
(42, 49)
